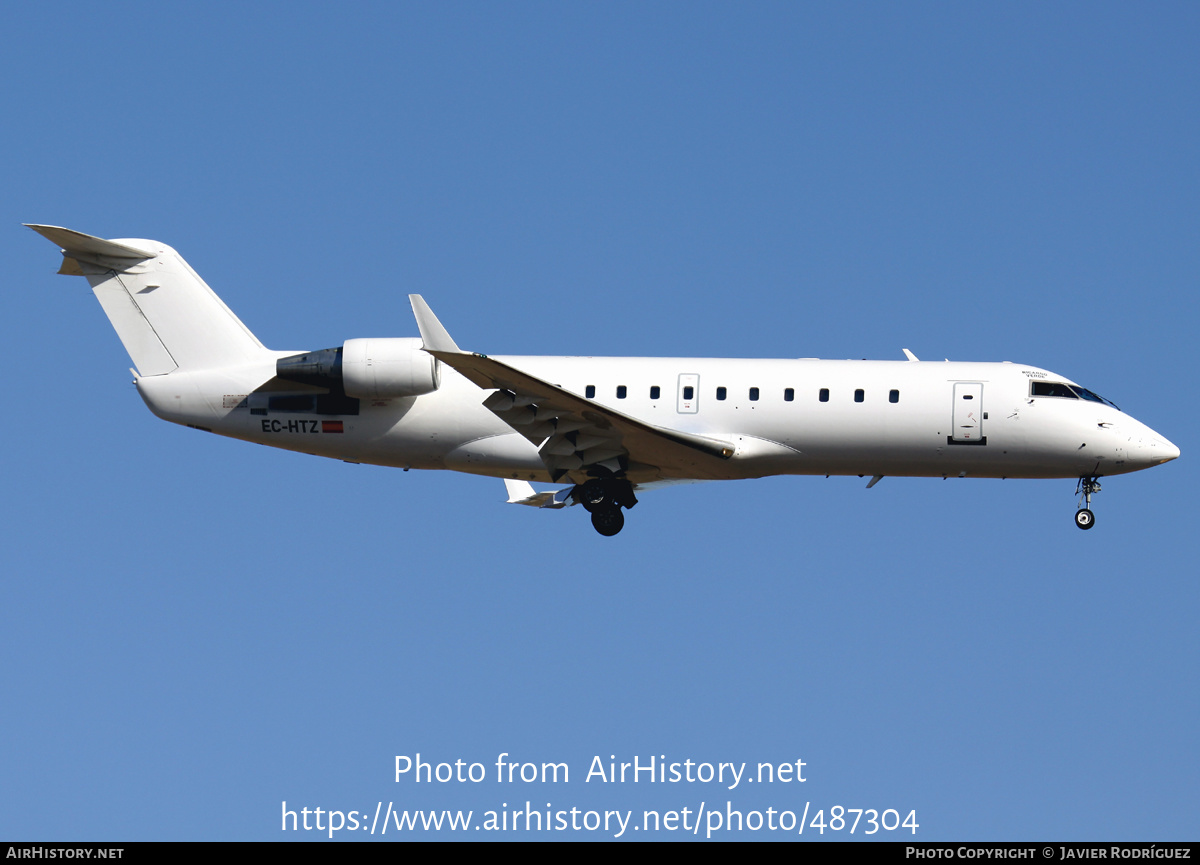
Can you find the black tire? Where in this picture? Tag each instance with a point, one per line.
(595, 495)
(1084, 518)
(608, 521)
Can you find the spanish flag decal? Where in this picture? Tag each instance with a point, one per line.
(331, 426)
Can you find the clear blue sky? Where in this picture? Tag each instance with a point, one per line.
(197, 629)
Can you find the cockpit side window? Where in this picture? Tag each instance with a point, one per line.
(1052, 388)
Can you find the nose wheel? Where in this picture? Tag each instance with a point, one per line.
(1084, 518)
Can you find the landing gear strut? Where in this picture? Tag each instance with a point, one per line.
(603, 498)
(1084, 518)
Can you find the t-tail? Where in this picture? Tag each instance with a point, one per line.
(167, 317)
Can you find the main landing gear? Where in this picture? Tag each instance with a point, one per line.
(603, 498)
(1084, 518)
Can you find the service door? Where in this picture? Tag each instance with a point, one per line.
(689, 393)
(968, 411)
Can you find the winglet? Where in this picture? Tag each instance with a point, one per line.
(522, 493)
(518, 491)
(908, 354)
(433, 335)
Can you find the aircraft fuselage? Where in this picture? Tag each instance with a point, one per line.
(805, 417)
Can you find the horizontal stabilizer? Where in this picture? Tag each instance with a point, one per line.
(78, 242)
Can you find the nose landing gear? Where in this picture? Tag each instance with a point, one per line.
(1084, 518)
(603, 498)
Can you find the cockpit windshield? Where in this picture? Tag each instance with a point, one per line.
(1067, 391)
(1084, 393)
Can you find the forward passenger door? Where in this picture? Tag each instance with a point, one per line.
(968, 412)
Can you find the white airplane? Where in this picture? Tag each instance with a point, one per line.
(609, 427)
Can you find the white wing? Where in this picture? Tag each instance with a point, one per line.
(574, 433)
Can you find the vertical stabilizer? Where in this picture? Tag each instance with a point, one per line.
(165, 314)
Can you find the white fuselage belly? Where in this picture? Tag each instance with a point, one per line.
(1015, 435)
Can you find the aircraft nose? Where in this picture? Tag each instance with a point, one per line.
(1156, 449)
(1169, 451)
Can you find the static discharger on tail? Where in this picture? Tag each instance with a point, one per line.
(603, 429)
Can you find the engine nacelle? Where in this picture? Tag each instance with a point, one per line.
(366, 368)
(383, 368)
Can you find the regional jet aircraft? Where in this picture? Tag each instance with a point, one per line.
(601, 428)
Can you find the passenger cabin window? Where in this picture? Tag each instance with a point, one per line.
(654, 392)
(859, 395)
(893, 396)
(720, 393)
(789, 394)
(590, 391)
(689, 392)
(753, 394)
(1053, 388)
(621, 391)
(824, 395)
